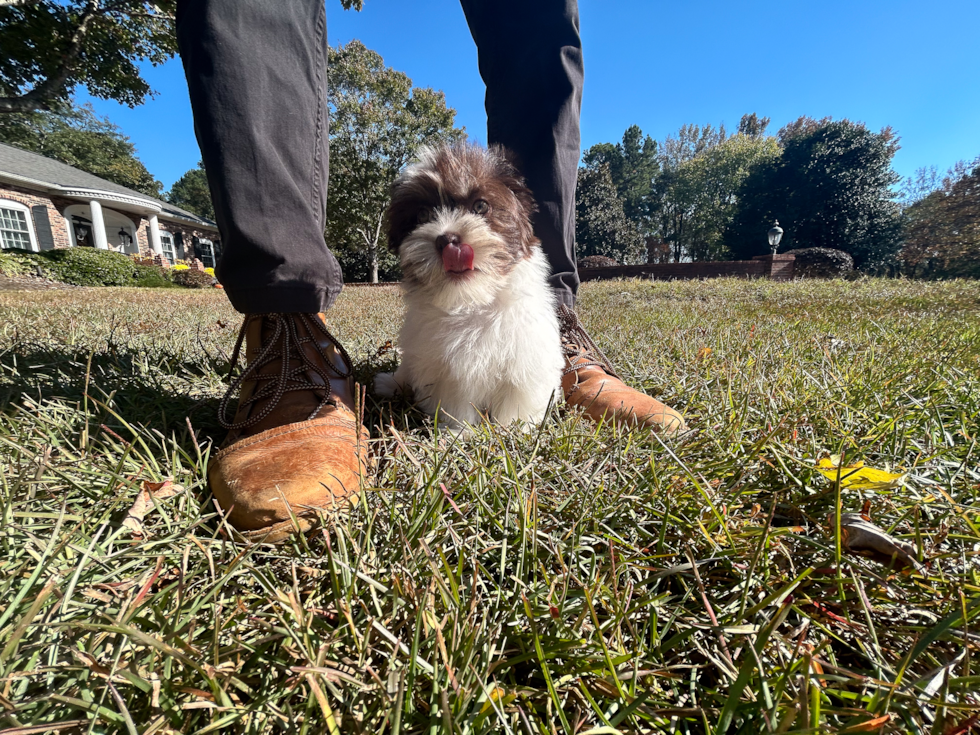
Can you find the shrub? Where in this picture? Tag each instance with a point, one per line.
(154, 276)
(18, 262)
(209, 271)
(90, 267)
(181, 267)
(192, 278)
(821, 263)
(597, 261)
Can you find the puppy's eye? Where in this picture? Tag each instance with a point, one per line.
(424, 215)
(481, 206)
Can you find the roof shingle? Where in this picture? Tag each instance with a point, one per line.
(55, 173)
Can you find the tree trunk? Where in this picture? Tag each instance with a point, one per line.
(373, 256)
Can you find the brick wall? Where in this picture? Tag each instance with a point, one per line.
(774, 267)
(59, 230)
(189, 232)
(143, 238)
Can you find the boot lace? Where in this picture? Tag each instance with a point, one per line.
(576, 345)
(286, 345)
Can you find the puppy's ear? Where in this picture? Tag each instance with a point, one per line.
(508, 155)
(401, 217)
(508, 172)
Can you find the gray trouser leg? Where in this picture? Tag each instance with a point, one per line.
(531, 61)
(257, 71)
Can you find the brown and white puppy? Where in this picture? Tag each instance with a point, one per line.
(480, 337)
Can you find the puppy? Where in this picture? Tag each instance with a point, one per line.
(480, 338)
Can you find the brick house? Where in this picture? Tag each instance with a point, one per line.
(46, 204)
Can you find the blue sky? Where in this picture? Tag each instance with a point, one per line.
(911, 64)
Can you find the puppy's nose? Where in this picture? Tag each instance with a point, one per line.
(449, 238)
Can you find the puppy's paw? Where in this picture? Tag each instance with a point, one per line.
(385, 385)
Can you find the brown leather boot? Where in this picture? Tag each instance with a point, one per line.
(590, 383)
(295, 444)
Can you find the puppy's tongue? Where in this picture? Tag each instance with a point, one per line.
(457, 258)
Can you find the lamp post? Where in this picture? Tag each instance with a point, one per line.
(775, 235)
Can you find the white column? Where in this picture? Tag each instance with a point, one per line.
(98, 226)
(154, 228)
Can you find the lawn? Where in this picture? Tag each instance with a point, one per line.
(574, 579)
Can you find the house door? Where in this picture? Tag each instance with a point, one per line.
(82, 230)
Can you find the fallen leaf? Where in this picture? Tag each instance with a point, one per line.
(869, 725)
(860, 535)
(856, 476)
(144, 503)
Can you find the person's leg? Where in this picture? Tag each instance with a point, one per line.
(256, 71)
(531, 61)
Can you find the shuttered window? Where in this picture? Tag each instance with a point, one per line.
(207, 252)
(167, 247)
(14, 231)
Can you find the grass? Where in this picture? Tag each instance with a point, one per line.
(578, 579)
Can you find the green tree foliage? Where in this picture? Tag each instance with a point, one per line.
(702, 170)
(690, 141)
(753, 125)
(802, 125)
(601, 224)
(831, 187)
(702, 193)
(679, 194)
(80, 138)
(633, 166)
(674, 193)
(941, 230)
(51, 46)
(378, 122)
(191, 192)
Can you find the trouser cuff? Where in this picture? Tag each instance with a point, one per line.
(278, 300)
(563, 296)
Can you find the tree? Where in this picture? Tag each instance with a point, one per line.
(675, 192)
(633, 167)
(704, 189)
(690, 141)
(601, 224)
(753, 126)
(802, 125)
(52, 46)
(831, 187)
(942, 229)
(80, 138)
(378, 123)
(191, 192)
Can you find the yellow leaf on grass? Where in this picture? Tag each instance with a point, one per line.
(499, 695)
(856, 476)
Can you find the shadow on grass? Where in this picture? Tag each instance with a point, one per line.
(119, 386)
(161, 392)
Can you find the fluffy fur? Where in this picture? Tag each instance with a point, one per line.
(480, 340)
